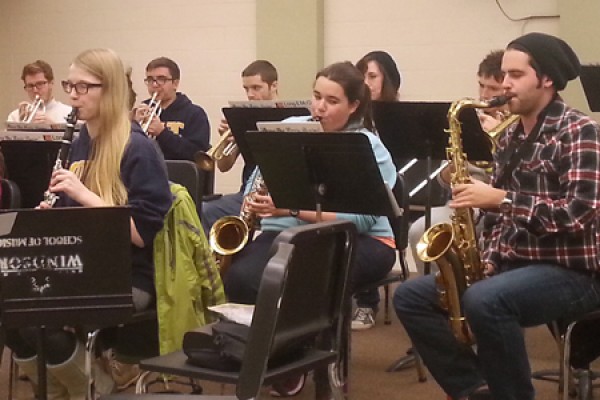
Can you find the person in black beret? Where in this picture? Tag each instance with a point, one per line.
(381, 75)
(538, 247)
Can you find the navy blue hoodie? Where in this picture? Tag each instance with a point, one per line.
(144, 175)
(187, 130)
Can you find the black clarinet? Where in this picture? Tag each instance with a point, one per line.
(63, 153)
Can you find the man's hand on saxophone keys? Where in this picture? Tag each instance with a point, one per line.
(476, 195)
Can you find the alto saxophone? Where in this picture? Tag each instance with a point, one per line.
(229, 234)
(453, 246)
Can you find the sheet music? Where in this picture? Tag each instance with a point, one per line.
(31, 135)
(240, 313)
(271, 126)
(270, 103)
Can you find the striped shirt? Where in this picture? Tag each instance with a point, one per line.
(555, 193)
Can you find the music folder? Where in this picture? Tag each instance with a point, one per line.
(65, 266)
(244, 119)
(590, 80)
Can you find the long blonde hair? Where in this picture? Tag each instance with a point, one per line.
(102, 173)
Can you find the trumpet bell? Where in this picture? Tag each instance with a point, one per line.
(204, 161)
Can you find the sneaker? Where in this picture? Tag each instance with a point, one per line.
(123, 374)
(363, 318)
(289, 387)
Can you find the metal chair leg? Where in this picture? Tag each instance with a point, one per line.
(411, 357)
(386, 305)
(12, 374)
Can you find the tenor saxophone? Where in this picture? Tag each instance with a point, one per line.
(453, 245)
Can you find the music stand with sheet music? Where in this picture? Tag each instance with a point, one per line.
(325, 171)
(244, 119)
(52, 263)
(334, 172)
(590, 80)
(416, 130)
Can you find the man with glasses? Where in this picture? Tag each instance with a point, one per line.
(38, 80)
(182, 128)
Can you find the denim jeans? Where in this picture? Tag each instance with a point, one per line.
(373, 261)
(228, 204)
(497, 309)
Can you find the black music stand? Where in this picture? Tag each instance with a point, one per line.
(417, 130)
(51, 264)
(244, 119)
(590, 80)
(29, 164)
(322, 171)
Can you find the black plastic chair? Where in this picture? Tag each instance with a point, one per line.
(11, 195)
(303, 296)
(199, 183)
(138, 337)
(574, 375)
(578, 378)
(400, 229)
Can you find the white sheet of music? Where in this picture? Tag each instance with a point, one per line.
(240, 313)
(308, 126)
(270, 103)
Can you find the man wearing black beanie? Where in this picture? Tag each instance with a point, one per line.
(539, 240)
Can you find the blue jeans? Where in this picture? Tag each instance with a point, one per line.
(228, 204)
(497, 309)
(373, 261)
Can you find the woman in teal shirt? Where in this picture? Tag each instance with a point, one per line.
(341, 102)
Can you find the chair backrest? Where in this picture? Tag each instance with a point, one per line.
(187, 174)
(303, 293)
(11, 195)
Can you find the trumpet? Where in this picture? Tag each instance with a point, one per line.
(153, 110)
(224, 148)
(28, 110)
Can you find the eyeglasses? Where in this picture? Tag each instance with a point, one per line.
(159, 80)
(80, 87)
(38, 85)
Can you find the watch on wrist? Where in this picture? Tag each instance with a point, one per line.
(506, 205)
(294, 213)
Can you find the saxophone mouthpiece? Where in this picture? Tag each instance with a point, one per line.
(499, 101)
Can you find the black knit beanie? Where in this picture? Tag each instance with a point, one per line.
(556, 58)
(388, 64)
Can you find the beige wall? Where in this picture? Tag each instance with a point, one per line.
(437, 44)
(579, 26)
